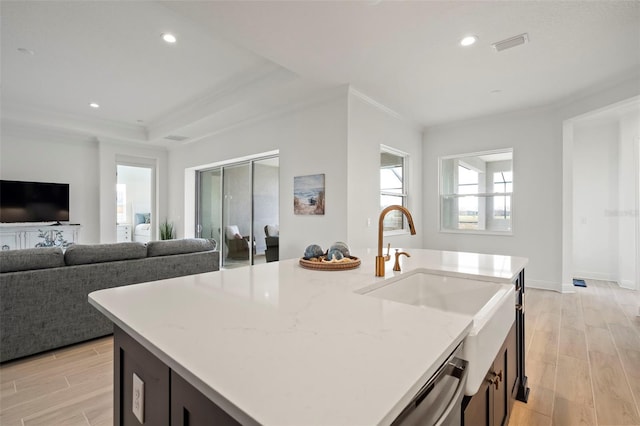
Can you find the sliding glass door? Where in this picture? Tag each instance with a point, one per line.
(238, 206)
(209, 204)
(266, 208)
(236, 215)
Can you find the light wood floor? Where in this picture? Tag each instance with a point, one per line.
(71, 386)
(583, 357)
(583, 364)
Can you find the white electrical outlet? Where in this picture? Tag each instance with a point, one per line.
(138, 398)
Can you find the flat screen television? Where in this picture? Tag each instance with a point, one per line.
(33, 202)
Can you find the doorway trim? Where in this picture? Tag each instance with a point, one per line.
(637, 213)
(148, 163)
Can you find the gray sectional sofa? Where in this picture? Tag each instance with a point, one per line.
(43, 291)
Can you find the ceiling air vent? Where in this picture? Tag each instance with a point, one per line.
(176, 138)
(511, 42)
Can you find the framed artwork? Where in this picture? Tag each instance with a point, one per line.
(308, 195)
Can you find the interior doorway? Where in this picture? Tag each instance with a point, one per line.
(601, 196)
(237, 204)
(135, 202)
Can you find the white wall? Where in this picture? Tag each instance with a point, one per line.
(371, 125)
(310, 141)
(30, 154)
(595, 199)
(535, 138)
(628, 199)
(543, 182)
(88, 165)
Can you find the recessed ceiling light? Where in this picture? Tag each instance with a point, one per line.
(26, 51)
(468, 40)
(94, 105)
(169, 38)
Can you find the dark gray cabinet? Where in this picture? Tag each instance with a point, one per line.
(189, 407)
(168, 398)
(130, 358)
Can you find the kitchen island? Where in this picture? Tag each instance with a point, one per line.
(276, 344)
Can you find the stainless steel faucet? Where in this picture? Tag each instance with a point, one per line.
(380, 259)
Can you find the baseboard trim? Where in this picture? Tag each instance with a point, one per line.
(594, 276)
(543, 285)
(628, 284)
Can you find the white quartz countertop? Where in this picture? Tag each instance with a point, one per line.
(277, 344)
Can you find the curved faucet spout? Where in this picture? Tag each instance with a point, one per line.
(380, 259)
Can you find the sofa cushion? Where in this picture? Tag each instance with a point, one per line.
(82, 254)
(189, 245)
(29, 259)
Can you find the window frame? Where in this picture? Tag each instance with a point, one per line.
(405, 187)
(442, 229)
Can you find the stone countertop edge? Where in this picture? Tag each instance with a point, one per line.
(257, 309)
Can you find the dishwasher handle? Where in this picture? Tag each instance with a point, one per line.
(461, 371)
(419, 412)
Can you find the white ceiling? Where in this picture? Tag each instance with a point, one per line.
(235, 60)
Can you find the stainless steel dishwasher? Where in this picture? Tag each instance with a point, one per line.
(439, 401)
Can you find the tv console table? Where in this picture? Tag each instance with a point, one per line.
(22, 236)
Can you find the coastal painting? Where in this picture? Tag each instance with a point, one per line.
(308, 195)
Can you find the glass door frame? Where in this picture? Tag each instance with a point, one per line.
(222, 248)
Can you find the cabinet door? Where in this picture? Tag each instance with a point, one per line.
(131, 358)
(191, 408)
(501, 394)
(49, 236)
(504, 367)
(477, 409)
(10, 241)
(511, 346)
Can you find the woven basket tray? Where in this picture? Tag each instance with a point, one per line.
(331, 266)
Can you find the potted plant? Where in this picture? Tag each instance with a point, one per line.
(166, 231)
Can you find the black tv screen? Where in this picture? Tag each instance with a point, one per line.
(33, 201)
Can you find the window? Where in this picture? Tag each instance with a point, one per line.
(393, 188)
(476, 191)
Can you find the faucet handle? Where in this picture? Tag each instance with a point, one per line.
(388, 255)
(396, 266)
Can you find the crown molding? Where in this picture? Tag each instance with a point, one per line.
(374, 103)
(241, 89)
(38, 117)
(309, 98)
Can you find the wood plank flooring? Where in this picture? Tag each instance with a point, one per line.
(71, 386)
(583, 357)
(583, 365)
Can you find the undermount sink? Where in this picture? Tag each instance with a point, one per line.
(489, 304)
